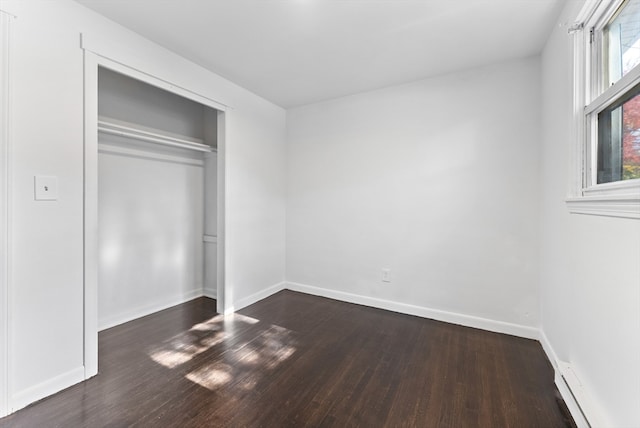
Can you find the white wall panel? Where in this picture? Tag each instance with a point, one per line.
(151, 217)
(47, 262)
(436, 180)
(590, 265)
(47, 277)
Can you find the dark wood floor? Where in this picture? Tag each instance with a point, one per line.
(295, 360)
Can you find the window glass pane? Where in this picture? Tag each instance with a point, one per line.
(618, 155)
(623, 41)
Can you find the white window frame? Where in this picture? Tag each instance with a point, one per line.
(619, 198)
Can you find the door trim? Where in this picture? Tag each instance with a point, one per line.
(5, 211)
(93, 60)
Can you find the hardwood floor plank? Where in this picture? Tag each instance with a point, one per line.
(294, 360)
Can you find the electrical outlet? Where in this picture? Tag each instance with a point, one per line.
(386, 275)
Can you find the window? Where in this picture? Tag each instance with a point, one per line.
(607, 108)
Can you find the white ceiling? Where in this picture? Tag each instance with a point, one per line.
(295, 52)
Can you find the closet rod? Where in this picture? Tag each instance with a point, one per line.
(107, 127)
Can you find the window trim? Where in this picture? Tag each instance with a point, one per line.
(619, 198)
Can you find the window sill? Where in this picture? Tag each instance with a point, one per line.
(624, 206)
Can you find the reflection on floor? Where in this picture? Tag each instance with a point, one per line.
(262, 352)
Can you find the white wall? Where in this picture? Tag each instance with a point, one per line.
(151, 221)
(46, 292)
(436, 180)
(130, 100)
(46, 285)
(590, 266)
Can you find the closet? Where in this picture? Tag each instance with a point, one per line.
(157, 199)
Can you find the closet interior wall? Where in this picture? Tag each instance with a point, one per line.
(157, 194)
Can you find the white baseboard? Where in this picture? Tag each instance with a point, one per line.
(570, 401)
(435, 314)
(583, 410)
(253, 298)
(148, 309)
(45, 389)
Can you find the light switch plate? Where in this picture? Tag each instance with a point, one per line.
(46, 188)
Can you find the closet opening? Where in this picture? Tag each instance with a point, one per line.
(157, 199)
(154, 198)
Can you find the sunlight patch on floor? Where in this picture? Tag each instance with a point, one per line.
(268, 350)
(211, 377)
(203, 336)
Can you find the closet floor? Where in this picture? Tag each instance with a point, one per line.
(295, 360)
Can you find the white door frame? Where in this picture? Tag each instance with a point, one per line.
(93, 60)
(5, 210)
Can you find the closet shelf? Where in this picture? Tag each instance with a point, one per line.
(124, 129)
